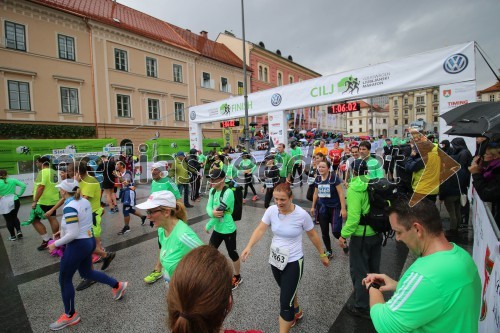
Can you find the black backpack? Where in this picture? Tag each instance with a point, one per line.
(238, 200)
(381, 193)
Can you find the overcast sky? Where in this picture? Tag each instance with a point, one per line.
(331, 36)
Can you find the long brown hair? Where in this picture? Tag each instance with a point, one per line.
(3, 175)
(179, 211)
(199, 293)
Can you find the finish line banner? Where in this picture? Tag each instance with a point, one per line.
(434, 68)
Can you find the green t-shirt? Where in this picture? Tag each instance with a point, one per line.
(246, 164)
(181, 240)
(202, 158)
(225, 224)
(284, 163)
(165, 184)
(9, 186)
(296, 155)
(438, 293)
(48, 178)
(375, 169)
(89, 187)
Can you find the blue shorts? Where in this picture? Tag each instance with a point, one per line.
(127, 210)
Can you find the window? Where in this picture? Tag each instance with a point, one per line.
(435, 129)
(66, 47)
(19, 95)
(384, 121)
(406, 101)
(151, 67)
(395, 102)
(436, 98)
(69, 100)
(361, 121)
(290, 79)
(280, 79)
(395, 122)
(123, 105)
(395, 113)
(406, 121)
(121, 62)
(436, 119)
(260, 73)
(15, 37)
(350, 130)
(420, 100)
(395, 131)
(206, 82)
(266, 78)
(492, 98)
(350, 122)
(153, 109)
(360, 130)
(435, 109)
(406, 112)
(177, 73)
(420, 110)
(224, 86)
(240, 88)
(179, 111)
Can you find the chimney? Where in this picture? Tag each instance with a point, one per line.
(204, 34)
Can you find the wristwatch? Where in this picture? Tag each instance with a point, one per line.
(374, 285)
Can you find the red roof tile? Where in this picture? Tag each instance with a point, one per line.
(493, 88)
(105, 11)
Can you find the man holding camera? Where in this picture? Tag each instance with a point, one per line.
(440, 291)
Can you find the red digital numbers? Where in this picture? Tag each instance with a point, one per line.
(344, 107)
(229, 123)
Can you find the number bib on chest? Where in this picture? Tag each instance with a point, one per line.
(269, 183)
(324, 190)
(310, 180)
(278, 257)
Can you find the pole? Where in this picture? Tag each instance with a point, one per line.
(371, 110)
(245, 92)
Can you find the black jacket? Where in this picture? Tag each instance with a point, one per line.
(463, 156)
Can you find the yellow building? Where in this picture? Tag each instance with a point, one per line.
(369, 121)
(107, 68)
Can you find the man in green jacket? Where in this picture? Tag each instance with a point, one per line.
(179, 172)
(365, 247)
(284, 163)
(375, 168)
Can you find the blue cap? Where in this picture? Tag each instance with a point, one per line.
(180, 153)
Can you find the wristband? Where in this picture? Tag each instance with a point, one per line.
(374, 285)
(323, 255)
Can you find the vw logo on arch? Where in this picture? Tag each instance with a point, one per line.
(276, 99)
(455, 63)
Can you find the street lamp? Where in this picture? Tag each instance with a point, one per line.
(245, 93)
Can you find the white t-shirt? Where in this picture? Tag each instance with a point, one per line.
(76, 222)
(288, 229)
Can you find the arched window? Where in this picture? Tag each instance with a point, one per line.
(265, 74)
(260, 73)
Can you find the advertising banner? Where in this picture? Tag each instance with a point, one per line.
(277, 125)
(443, 66)
(486, 256)
(195, 136)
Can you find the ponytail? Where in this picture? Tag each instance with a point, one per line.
(180, 212)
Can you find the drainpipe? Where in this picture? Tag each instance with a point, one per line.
(94, 99)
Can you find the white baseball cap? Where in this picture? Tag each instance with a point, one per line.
(157, 165)
(68, 185)
(157, 199)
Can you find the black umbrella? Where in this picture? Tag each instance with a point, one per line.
(213, 144)
(474, 119)
(253, 123)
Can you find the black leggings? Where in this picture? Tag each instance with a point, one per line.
(269, 196)
(288, 279)
(248, 183)
(297, 168)
(12, 219)
(230, 241)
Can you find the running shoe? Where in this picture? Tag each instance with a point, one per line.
(19, 234)
(298, 313)
(244, 201)
(84, 284)
(65, 321)
(143, 220)
(95, 258)
(44, 245)
(254, 198)
(107, 260)
(118, 292)
(124, 230)
(115, 209)
(236, 281)
(153, 277)
(112, 211)
(329, 254)
(12, 238)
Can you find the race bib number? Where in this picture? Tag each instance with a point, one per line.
(278, 257)
(269, 183)
(324, 190)
(310, 180)
(388, 158)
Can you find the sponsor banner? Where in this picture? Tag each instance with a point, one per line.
(450, 97)
(443, 66)
(277, 125)
(258, 155)
(195, 136)
(486, 256)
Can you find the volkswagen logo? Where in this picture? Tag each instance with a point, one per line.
(455, 63)
(276, 99)
(192, 115)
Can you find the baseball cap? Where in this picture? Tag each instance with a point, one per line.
(157, 165)
(217, 173)
(157, 199)
(180, 153)
(68, 185)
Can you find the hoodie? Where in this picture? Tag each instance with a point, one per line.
(463, 156)
(358, 204)
(447, 147)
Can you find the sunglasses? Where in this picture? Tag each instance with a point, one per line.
(151, 212)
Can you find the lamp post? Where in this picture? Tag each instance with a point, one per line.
(245, 92)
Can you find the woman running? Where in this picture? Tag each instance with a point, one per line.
(175, 237)
(247, 167)
(9, 203)
(288, 222)
(199, 297)
(76, 234)
(332, 208)
(271, 180)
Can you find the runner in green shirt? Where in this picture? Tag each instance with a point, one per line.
(284, 163)
(175, 237)
(9, 196)
(440, 291)
(246, 169)
(219, 210)
(296, 156)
